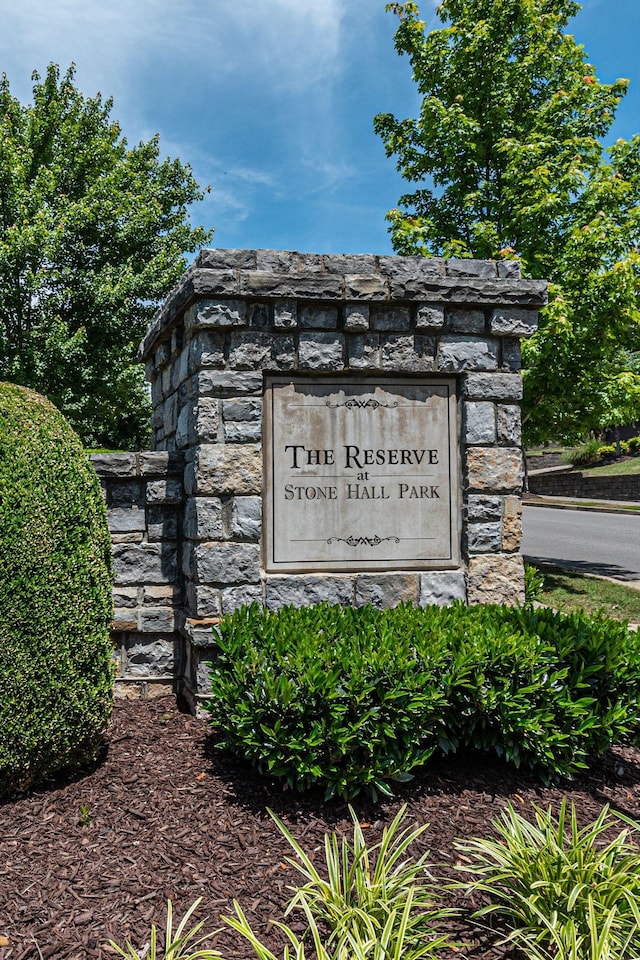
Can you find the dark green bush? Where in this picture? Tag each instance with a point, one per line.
(533, 584)
(634, 445)
(352, 698)
(545, 690)
(328, 694)
(56, 681)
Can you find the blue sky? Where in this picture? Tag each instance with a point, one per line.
(270, 101)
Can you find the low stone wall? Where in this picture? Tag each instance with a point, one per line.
(546, 460)
(585, 487)
(144, 496)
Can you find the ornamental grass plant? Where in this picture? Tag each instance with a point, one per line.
(362, 942)
(184, 944)
(566, 892)
(372, 892)
(375, 903)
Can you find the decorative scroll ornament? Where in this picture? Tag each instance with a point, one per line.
(373, 541)
(354, 404)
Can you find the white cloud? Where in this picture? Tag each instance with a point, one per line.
(326, 173)
(252, 94)
(233, 187)
(291, 43)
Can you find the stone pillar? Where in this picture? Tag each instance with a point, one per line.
(239, 318)
(144, 496)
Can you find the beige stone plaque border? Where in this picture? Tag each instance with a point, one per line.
(344, 497)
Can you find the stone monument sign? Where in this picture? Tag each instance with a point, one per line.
(340, 428)
(360, 474)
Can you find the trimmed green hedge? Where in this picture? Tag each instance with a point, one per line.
(355, 698)
(56, 680)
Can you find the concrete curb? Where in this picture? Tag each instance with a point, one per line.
(599, 508)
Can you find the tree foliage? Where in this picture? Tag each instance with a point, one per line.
(508, 160)
(92, 237)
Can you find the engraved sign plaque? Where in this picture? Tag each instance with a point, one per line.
(360, 474)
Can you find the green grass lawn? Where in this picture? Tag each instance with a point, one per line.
(618, 468)
(541, 451)
(598, 504)
(92, 450)
(567, 590)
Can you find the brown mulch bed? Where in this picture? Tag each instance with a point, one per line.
(166, 815)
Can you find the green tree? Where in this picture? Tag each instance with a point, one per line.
(508, 160)
(92, 237)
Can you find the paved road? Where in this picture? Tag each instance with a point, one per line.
(607, 544)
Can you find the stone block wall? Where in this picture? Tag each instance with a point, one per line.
(144, 496)
(240, 315)
(547, 459)
(581, 486)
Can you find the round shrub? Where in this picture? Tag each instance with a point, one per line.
(56, 680)
(607, 451)
(352, 698)
(327, 695)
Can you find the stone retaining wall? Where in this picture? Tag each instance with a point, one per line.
(578, 485)
(546, 460)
